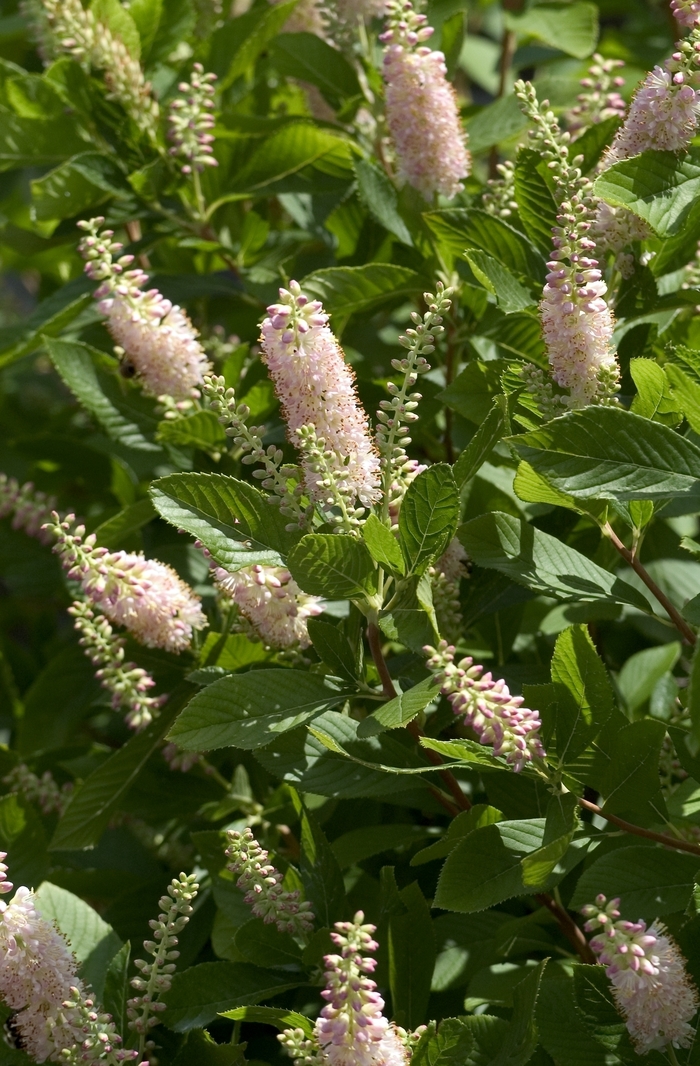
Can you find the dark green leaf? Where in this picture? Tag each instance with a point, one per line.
(113, 532)
(265, 945)
(333, 647)
(201, 430)
(449, 1046)
(345, 291)
(320, 872)
(309, 58)
(401, 710)
(22, 836)
(495, 123)
(411, 957)
(650, 882)
(428, 517)
(197, 995)
(379, 195)
(483, 442)
(583, 693)
(521, 1037)
(337, 568)
(659, 187)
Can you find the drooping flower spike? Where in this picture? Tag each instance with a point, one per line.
(324, 417)
(262, 884)
(144, 595)
(647, 971)
(576, 320)
(30, 508)
(155, 336)
(499, 718)
(271, 602)
(421, 107)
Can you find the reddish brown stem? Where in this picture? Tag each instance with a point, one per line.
(637, 830)
(463, 804)
(568, 927)
(672, 612)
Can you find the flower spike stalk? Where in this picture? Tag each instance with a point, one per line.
(498, 718)
(421, 107)
(144, 595)
(576, 320)
(155, 336)
(647, 971)
(262, 884)
(324, 417)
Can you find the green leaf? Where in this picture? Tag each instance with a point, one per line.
(521, 1037)
(99, 394)
(573, 28)
(654, 399)
(541, 562)
(360, 844)
(640, 673)
(147, 15)
(650, 881)
(309, 58)
(609, 453)
(536, 204)
(335, 567)
(238, 43)
(685, 393)
(596, 1005)
(497, 122)
(563, 1032)
(299, 157)
(383, 545)
(486, 867)
(94, 801)
(198, 1046)
(474, 390)
(583, 693)
(113, 532)
(345, 291)
(57, 702)
(233, 519)
(411, 620)
(264, 944)
(449, 1046)
(464, 823)
(458, 228)
(277, 1016)
(118, 19)
(197, 995)
(320, 872)
(334, 648)
(510, 294)
(76, 186)
(401, 710)
(23, 837)
(626, 769)
(411, 945)
(30, 142)
(50, 317)
(92, 940)
(200, 430)
(483, 442)
(560, 826)
(248, 710)
(379, 196)
(117, 990)
(659, 187)
(428, 517)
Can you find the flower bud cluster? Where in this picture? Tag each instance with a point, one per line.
(600, 98)
(127, 683)
(497, 717)
(30, 509)
(97, 1038)
(156, 336)
(262, 884)
(156, 977)
(316, 388)
(351, 1029)
(396, 414)
(445, 577)
(272, 603)
(74, 29)
(421, 107)
(499, 196)
(190, 120)
(686, 12)
(41, 790)
(576, 320)
(281, 479)
(647, 971)
(144, 595)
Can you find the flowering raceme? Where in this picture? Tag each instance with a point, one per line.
(686, 12)
(600, 98)
(190, 120)
(155, 336)
(576, 321)
(421, 108)
(262, 884)
(499, 718)
(647, 971)
(30, 509)
(272, 602)
(325, 420)
(144, 595)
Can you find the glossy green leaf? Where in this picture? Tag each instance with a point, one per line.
(582, 691)
(383, 545)
(334, 567)
(650, 881)
(482, 443)
(345, 291)
(497, 279)
(401, 710)
(197, 995)
(659, 187)
(428, 517)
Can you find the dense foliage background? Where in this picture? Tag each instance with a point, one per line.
(473, 877)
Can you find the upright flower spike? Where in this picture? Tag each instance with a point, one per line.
(647, 971)
(498, 718)
(262, 884)
(128, 684)
(69, 28)
(325, 420)
(153, 335)
(157, 976)
(421, 107)
(271, 602)
(600, 98)
(144, 595)
(351, 1029)
(576, 321)
(686, 12)
(190, 120)
(30, 509)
